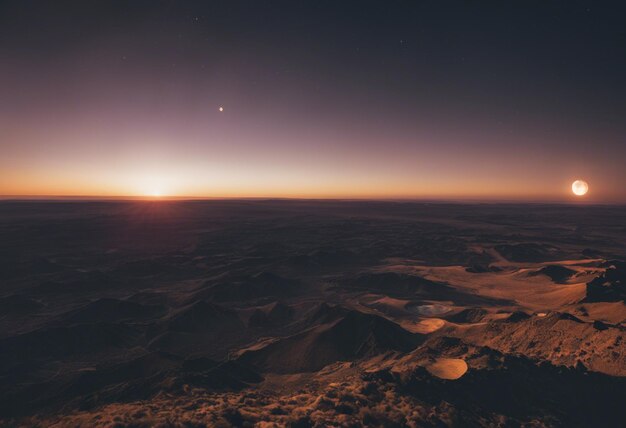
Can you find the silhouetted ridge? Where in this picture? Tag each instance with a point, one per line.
(19, 305)
(138, 378)
(330, 257)
(610, 286)
(65, 341)
(229, 375)
(472, 315)
(481, 268)
(353, 336)
(556, 273)
(397, 283)
(569, 317)
(517, 316)
(42, 265)
(86, 282)
(204, 317)
(277, 314)
(112, 310)
(173, 265)
(263, 284)
(527, 252)
(324, 313)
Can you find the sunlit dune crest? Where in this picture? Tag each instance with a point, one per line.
(448, 368)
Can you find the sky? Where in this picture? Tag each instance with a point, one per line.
(484, 100)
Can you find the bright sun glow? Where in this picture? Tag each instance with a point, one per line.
(580, 187)
(149, 184)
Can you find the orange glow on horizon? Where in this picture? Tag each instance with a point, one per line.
(196, 180)
(289, 188)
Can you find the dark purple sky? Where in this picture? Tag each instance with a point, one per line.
(427, 99)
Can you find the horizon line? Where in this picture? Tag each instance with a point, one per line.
(148, 198)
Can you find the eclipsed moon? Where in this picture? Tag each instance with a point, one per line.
(580, 187)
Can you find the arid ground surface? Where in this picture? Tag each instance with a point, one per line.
(311, 313)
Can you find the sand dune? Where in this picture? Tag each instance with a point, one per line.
(424, 326)
(448, 368)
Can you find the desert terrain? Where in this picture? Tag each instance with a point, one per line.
(276, 313)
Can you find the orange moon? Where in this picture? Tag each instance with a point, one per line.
(580, 187)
